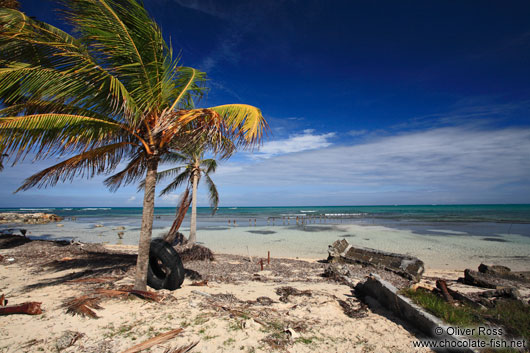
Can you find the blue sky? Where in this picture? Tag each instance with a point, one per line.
(412, 102)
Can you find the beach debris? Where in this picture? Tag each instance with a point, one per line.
(23, 231)
(60, 225)
(98, 225)
(442, 286)
(286, 292)
(404, 265)
(483, 280)
(340, 273)
(510, 293)
(121, 234)
(164, 337)
(182, 349)
(389, 297)
(126, 291)
(278, 340)
(495, 277)
(292, 333)
(83, 306)
(204, 294)
(67, 339)
(505, 273)
(10, 259)
(199, 284)
(1, 258)
(86, 304)
(263, 301)
(425, 286)
(194, 253)
(260, 262)
(353, 308)
(3, 300)
(29, 308)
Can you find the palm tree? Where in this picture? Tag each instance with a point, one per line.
(195, 167)
(114, 91)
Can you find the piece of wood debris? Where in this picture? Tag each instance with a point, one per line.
(200, 284)
(442, 286)
(164, 337)
(29, 308)
(3, 300)
(182, 349)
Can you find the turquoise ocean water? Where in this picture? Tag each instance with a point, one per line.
(444, 236)
(428, 213)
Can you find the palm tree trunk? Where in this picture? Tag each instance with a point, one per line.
(182, 209)
(140, 281)
(193, 221)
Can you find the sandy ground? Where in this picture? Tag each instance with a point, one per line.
(224, 316)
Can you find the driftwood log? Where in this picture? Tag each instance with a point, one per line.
(486, 280)
(505, 273)
(406, 266)
(29, 308)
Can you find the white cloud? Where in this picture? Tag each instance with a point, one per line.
(308, 140)
(439, 165)
(357, 132)
(170, 199)
(131, 199)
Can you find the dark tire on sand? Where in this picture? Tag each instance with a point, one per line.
(165, 270)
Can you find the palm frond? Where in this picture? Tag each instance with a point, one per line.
(52, 134)
(213, 194)
(173, 157)
(188, 87)
(210, 165)
(161, 176)
(134, 171)
(244, 120)
(178, 181)
(45, 51)
(90, 163)
(122, 34)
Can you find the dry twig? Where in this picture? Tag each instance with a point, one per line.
(154, 341)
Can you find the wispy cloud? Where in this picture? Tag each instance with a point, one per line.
(307, 140)
(439, 165)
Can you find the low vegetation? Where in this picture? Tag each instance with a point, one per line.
(513, 315)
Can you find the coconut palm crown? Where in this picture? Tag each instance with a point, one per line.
(113, 91)
(194, 167)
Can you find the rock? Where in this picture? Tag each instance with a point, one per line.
(60, 225)
(120, 235)
(98, 225)
(406, 266)
(28, 218)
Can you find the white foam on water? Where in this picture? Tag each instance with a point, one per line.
(447, 231)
